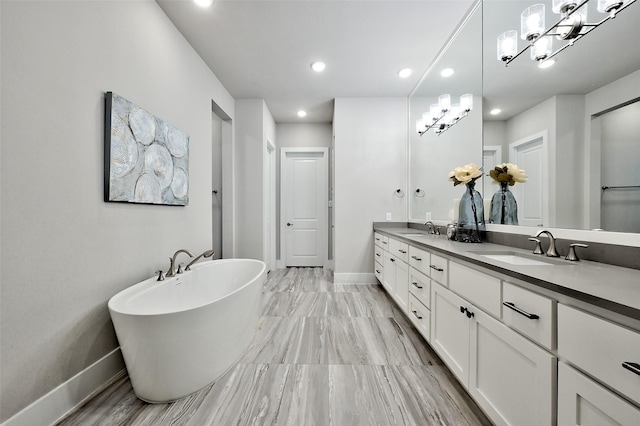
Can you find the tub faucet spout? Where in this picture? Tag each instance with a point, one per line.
(551, 251)
(172, 266)
(208, 253)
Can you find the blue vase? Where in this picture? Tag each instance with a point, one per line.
(470, 216)
(504, 209)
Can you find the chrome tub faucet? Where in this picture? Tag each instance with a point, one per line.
(172, 266)
(208, 253)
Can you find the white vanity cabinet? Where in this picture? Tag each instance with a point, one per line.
(582, 401)
(393, 272)
(510, 377)
(608, 352)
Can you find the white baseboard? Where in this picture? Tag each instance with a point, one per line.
(354, 278)
(74, 392)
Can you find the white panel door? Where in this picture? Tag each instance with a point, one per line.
(305, 206)
(530, 154)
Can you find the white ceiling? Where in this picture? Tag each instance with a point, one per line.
(263, 48)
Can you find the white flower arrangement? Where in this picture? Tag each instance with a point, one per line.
(509, 173)
(465, 174)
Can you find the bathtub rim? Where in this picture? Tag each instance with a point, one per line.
(115, 302)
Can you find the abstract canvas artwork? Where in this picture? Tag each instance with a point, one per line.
(146, 158)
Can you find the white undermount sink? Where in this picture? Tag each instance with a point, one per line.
(520, 259)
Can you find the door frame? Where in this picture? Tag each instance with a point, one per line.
(325, 205)
(270, 207)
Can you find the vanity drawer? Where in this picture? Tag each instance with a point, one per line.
(381, 240)
(420, 260)
(378, 270)
(420, 287)
(477, 287)
(379, 254)
(600, 348)
(531, 314)
(399, 250)
(420, 316)
(438, 269)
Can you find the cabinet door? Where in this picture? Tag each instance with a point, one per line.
(389, 273)
(510, 377)
(582, 401)
(450, 330)
(402, 285)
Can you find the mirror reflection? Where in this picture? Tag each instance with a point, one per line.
(570, 126)
(447, 144)
(573, 127)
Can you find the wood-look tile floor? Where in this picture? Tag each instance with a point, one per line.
(324, 354)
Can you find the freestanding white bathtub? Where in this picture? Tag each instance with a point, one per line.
(181, 334)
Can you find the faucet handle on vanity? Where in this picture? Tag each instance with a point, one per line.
(572, 251)
(180, 270)
(160, 275)
(538, 249)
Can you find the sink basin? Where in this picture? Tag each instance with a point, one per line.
(520, 259)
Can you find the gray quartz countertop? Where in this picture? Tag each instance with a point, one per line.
(608, 286)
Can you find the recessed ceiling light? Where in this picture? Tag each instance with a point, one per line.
(302, 113)
(203, 3)
(495, 111)
(318, 66)
(404, 72)
(447, 72)
(547, 63)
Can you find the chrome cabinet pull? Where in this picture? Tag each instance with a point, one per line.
(378, 254)
(402, 251)
(392, 259)
(415, 284)
(436, 268)
(416, 314)
(467, 312)
(632, 366)
(520, 311)
(378, 271)
(384, 242)
(416, 258)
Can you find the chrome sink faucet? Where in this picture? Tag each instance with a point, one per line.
(551, 251)
(172, 266)
(430, 224)
(208, 253)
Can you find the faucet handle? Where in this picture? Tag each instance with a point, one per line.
(160, 275)
(538, 249)
(572, 251)
(179, 271)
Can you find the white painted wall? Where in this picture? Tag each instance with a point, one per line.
(253, 125)
(370, 164)
(65, 251)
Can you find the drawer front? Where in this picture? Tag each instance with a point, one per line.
(420, 260)
(420, 316)
(381, 240)
(439, 269)
(531, 314)
(601, 348)
(420, 287)
(478, 288)
(399, 250)
(379, 254)
(379, 271)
